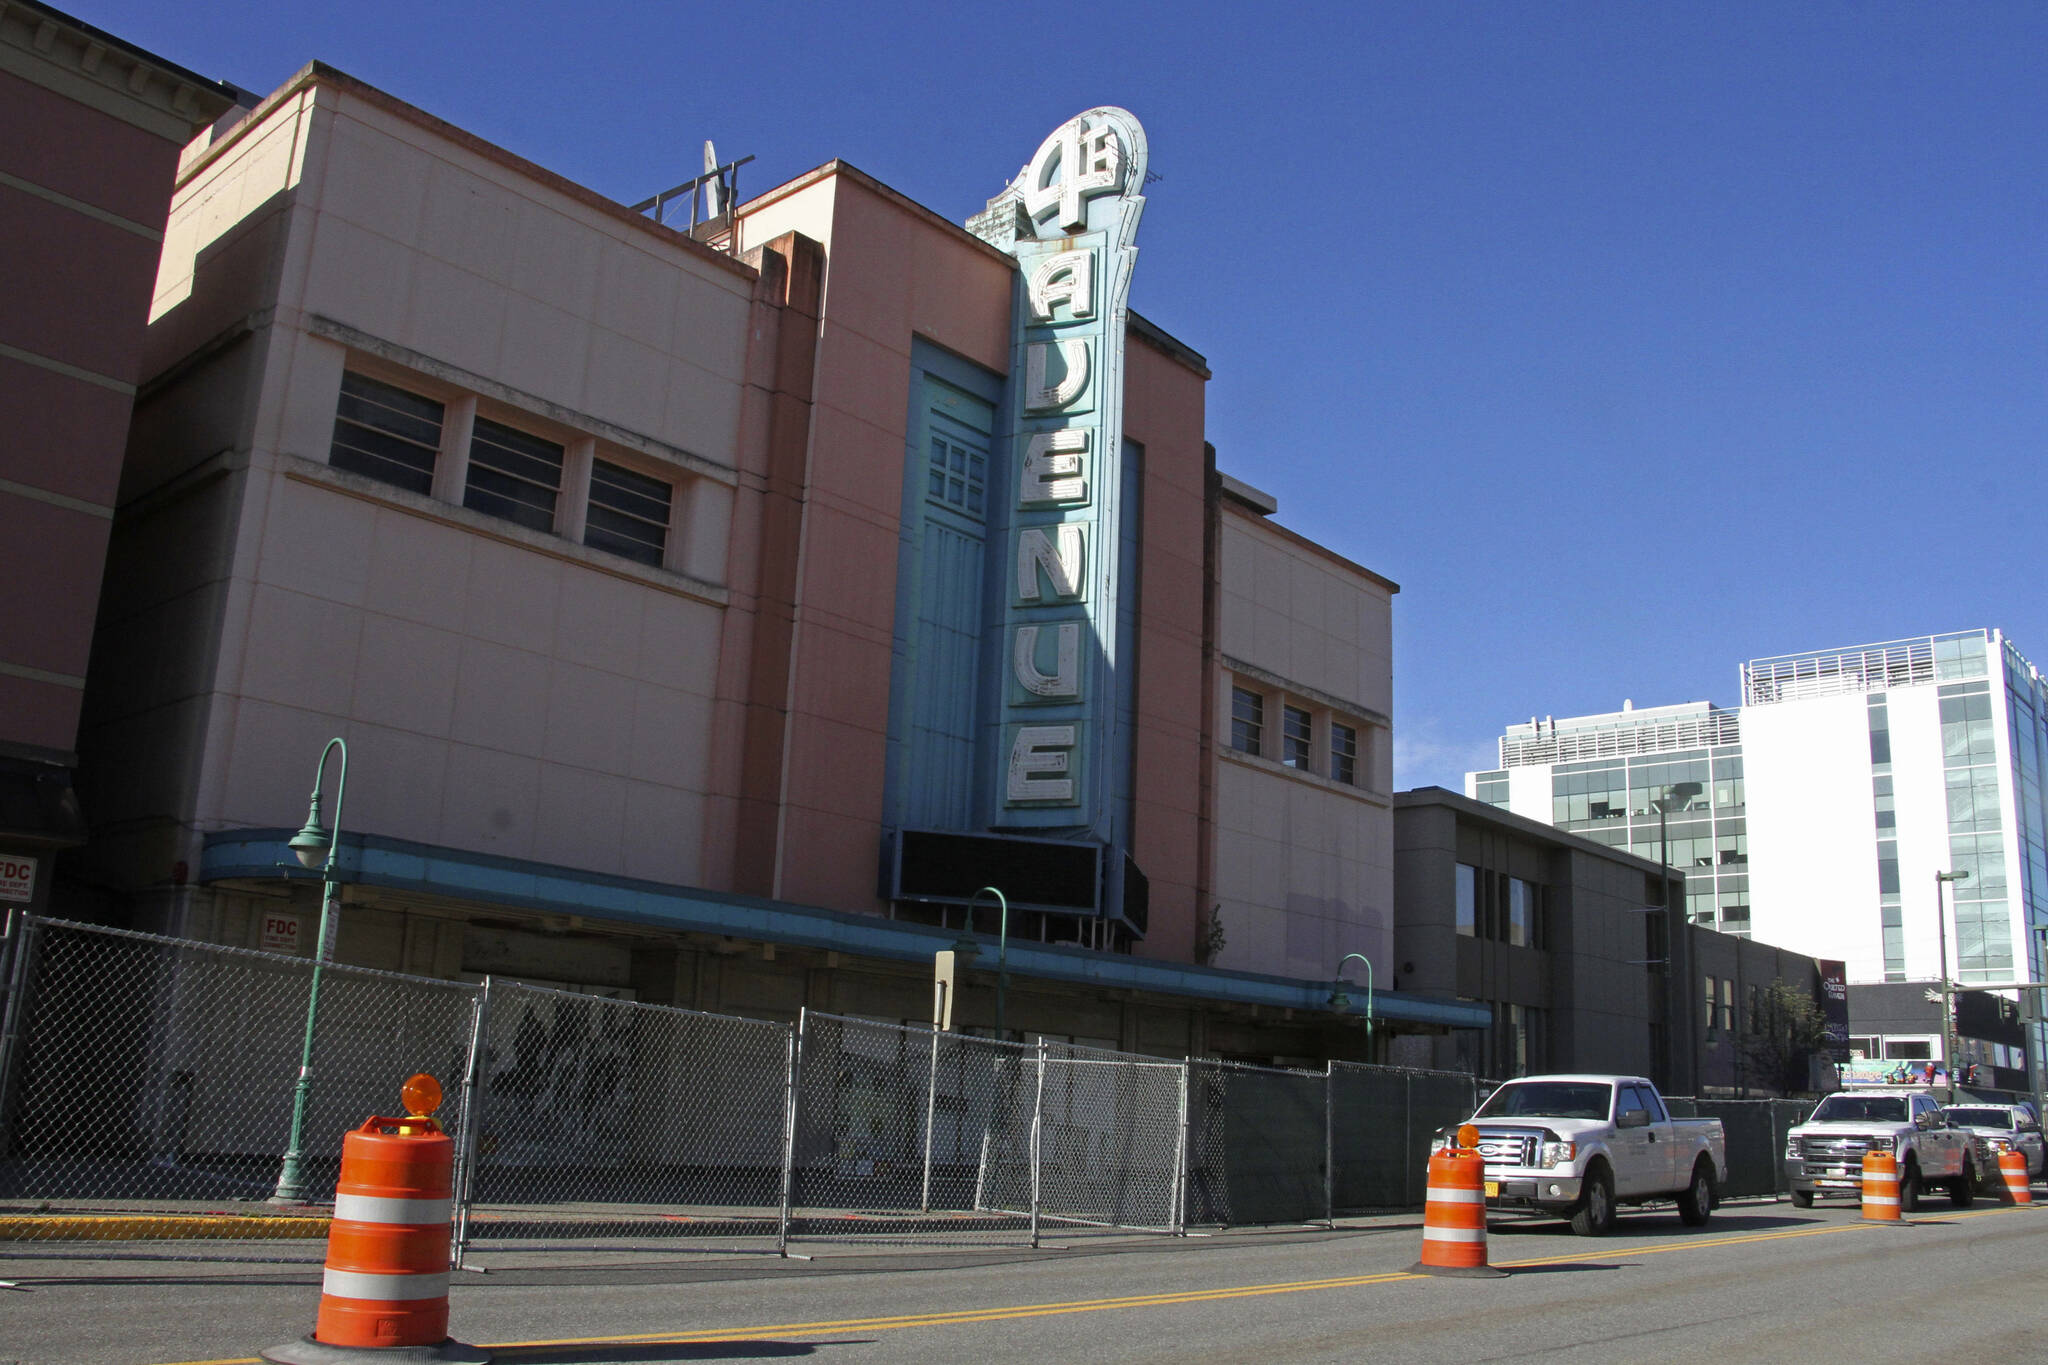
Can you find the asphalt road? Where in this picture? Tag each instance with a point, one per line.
(1763, 1282)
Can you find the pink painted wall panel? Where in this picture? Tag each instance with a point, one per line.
(837, 869)
(86, 298)
(46, 618)
(1163, 400)
(64, 435)
(85, 154)
(39, 713)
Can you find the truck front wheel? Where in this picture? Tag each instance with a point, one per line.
(1594, 1217)
(1802, 1199)
(1696, 1201)
(1909, 1188)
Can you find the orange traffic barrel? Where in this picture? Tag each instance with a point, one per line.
(2012, 1167)
(1880, 1188)
(1454, 1216)
(384, 1294)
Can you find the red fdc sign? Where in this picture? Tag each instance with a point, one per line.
(17, 878)
(280, 933)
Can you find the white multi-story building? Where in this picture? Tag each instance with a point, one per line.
(1817, 816)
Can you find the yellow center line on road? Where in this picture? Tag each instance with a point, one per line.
(966, 1316)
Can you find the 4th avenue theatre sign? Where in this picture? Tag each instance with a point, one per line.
(1070, 219)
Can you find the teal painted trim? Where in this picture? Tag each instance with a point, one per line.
(400, 865)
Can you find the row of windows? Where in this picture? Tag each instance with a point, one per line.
(1293, 741)
(1885, 815)
(1507, 909)
(395, 436)
(1983, 928)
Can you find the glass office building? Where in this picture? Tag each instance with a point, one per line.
(1818, 815)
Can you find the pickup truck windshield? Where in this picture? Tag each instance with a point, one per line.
(1980, 1118)
(1861, 1109)
(1548, 1099)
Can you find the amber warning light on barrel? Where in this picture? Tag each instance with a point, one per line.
(421, 1095)
(1468, 1136)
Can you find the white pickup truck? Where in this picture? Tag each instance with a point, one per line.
(1579, 1146)
(1824, 1155)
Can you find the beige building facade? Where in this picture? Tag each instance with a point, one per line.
(605, 549)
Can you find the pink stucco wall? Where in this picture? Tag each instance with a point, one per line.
(894, 272)
(75, 302)
(1163, 401)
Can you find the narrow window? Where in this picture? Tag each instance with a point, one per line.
(513, 475)
(1295, 733)
(957, 476)
(384, 433)
(1468, 900)
(629, 513)
(1247, 720)
(1344, 755)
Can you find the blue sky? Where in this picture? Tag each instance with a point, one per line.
(1633, 340)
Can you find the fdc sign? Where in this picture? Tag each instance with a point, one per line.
(17, 878)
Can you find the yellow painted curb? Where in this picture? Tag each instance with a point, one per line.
(138, 1227)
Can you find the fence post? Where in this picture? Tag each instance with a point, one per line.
(22, 938)
(1037, 1142)
(790, 1069)
(472, 1121)
(1408, 1139)
(931, 1100)
(1180, 1203)
(1330, 1144)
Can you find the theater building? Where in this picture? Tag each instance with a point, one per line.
(710, 615)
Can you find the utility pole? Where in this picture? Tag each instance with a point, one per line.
(1948, 1032)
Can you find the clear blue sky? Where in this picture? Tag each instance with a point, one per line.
(1633, 340)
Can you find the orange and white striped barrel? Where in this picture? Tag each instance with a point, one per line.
(1454, 1216)
(1880, 1188)
(2012, 1167)
(386, 1282)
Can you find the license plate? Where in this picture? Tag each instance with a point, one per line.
(1838, 1184)
(1493, 1189)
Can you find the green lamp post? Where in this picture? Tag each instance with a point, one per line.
(1002, 949)
(1340, 1001)
(316, 846)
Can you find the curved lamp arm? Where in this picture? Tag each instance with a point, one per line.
(1338, 1000)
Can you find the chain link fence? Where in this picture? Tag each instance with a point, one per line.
(146, 1088)
(1258, 1144)
(1112, 1139)
(146, 1084)
(602, 1124)
(910, 1134)
(1382, 1121)
(1756, 1131)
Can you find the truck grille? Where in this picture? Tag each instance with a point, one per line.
(1507, 1148)
(1845, 1151)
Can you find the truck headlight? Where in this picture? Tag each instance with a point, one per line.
(1791, 1148)
(1999, 1144)
(1439, 1142)
(1557, 1153)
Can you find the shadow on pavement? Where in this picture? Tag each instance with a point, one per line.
(660, 1352)
(1650, 1224)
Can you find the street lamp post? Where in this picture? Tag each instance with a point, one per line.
(1680, 793)
(312, 842)
(1002, 949)
(1341, 1001)
(1948, 1036)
